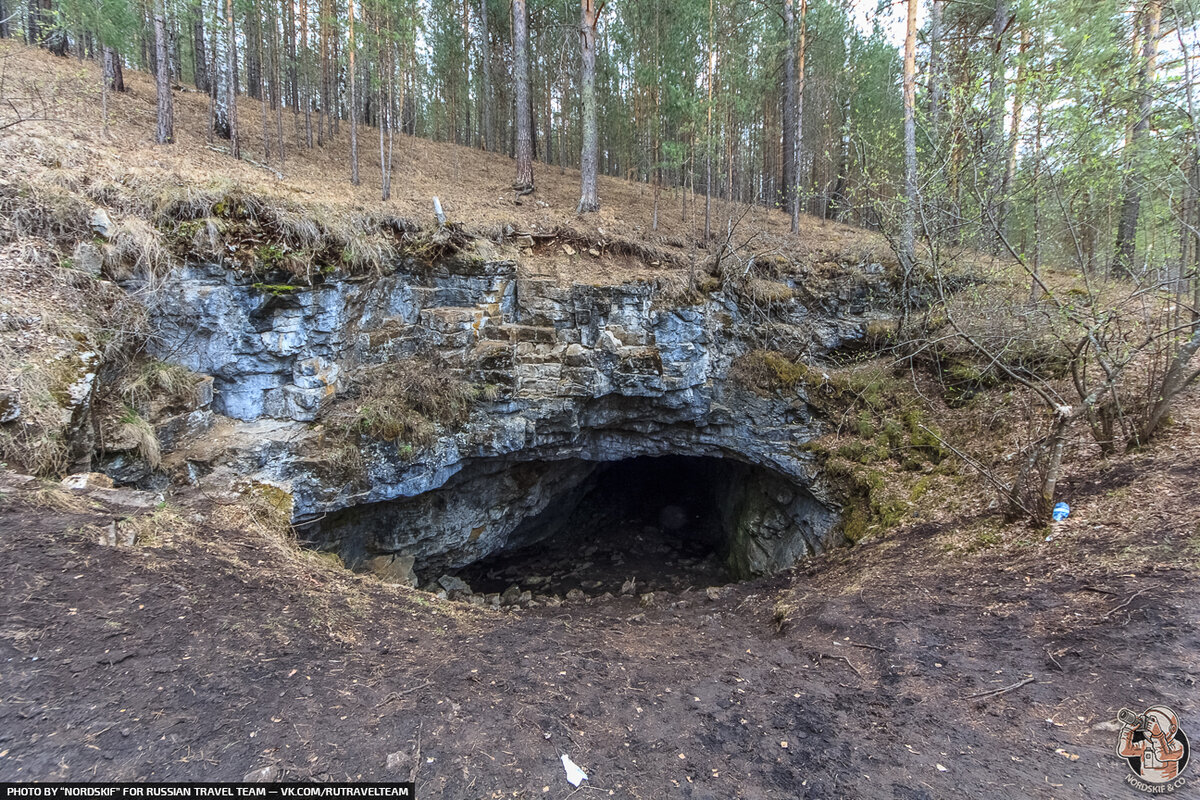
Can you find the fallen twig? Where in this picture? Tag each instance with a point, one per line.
(398, 695)
(1132, 597)
(1002, 690)
(853, 668)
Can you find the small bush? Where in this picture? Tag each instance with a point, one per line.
(403, 402)
(767, 372)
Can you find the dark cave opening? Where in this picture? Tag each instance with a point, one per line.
(640, 525)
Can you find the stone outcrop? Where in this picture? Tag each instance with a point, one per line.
(583, 374)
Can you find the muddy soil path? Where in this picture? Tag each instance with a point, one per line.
(216, 653)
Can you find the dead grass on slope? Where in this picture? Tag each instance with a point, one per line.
(62, 161)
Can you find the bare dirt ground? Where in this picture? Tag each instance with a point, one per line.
(217, 650)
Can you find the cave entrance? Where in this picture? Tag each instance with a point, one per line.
(647, 523)
(641, 525)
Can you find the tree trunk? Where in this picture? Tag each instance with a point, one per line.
(253, 34)
(1010, 161)
(789, 106)
(588, 199)
(115, 72)
(257, 45)
(354, 179)
(235, 145)
(935, 66)
(489, 124)
(199, 59)
(33, 21)
(5, 29)
(105, 78)
(708, 131)
(798, 155)
(1131, 201)
(524, 181)
(306, 75)
(909, 221)
(994, 134)
(165, 132)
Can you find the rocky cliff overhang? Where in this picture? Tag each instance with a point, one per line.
(581, 374)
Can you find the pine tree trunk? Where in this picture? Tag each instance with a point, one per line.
(588, 199)
(165, 131)
(253, 33)
(33, 20)
(199, 59)
(994, 134)
(909, 220)
(306, 75)
(798, 154)
(524, 180)
(257, 45)
(789, 106)
(489, 123)
(354, 179)
(235, 145)
(708, 130)
(935, 65)
(1131, 201)
(105, 78)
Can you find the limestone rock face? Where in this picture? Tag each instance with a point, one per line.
(584, 374)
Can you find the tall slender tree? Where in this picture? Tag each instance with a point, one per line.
(165, 131)
(485, 59)
(908, 226)
(1131, 200)
(230, 75)
(354, 179)
(524, 122)
(590, 12)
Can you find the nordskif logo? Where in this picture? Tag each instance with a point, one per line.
(1155, 748)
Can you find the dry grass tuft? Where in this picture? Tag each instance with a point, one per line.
(403, 402)
(140, 433)
(53, 497)
(153, 379)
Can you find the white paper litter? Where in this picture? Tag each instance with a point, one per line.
(575, 775)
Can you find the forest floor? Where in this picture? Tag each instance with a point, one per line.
(217, 649)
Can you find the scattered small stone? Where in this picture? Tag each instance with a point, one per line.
(713, 592)
(576, 596)
(525, 598)
(511, 595)
(10, 407)
(87, 258)
(101, 223)
(265, 775)
(647, 600)
(397, 761)
(629, 587)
